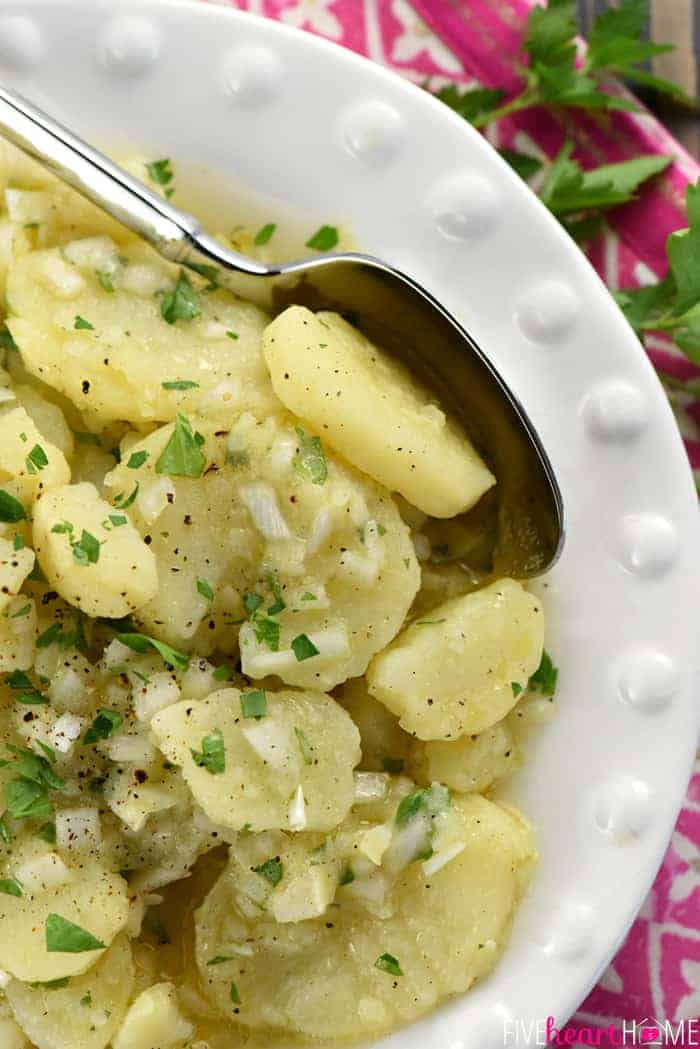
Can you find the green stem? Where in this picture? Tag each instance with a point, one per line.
(524, 100)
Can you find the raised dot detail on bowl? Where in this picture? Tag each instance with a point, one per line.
(647, 680)
(648, 544)
(615, 412)
(373, 132)
(547, 311)
(21, 46)
(463, 206)
(252, 76)
(623, 808)
(571, 936)
(129, 45)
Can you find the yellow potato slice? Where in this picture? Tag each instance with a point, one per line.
(29, 464)
(371, 411)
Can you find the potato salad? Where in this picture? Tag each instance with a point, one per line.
(258, 680)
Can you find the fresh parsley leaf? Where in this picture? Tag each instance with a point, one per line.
(234, 995)
(50, 636)
(307, 751)
(568, 189)
(63, 937)
(47, 832)
(223, 673)
(27, 799)
(219, 959)
(516, 689)
(182, 455)
(105, 281)
(11, 510)
(388, 964)
(263, 235)
(180, 384)
(123, 501)
(6, 340)
(279, 604)
(251, 603)
(324, 239)
(267, 632)
(272, 870)
(309, 460)
(212, 756)
(544, 679)
(137, 459)
(205, 589)
(522, 163)
(10, 887)
(142, 643)
(37, 459)
(347, 877)
(304, 648)
(473, 104)
(160, 171)
(232, 335)
(105, 725)
(180, 304)
(87, 551)
(254, 704)
(80, 324)
(18, 542)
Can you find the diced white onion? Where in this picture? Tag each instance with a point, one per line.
(62, 278)
(153, 497)
(281, 455)
(65, 732)
(442, 858)
(261, 501)
(115, 654)
(226, 394)
(214, 330)
(78, 828)
(374, 843)
(27, 205)
(371, 890)
(297, 811)
(409, 842)
(6, 395)
(160, 691)
(370, 786)
(321, 528)
(304, 896)
(68, 690)
(271, 742)
(144, 280)
(94, 253)
(198, 680)
(46, 872)
(130, 749)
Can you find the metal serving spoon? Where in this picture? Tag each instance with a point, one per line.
(525, 510)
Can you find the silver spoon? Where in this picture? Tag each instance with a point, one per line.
(525, 510)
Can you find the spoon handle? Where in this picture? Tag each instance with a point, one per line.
(175, 234)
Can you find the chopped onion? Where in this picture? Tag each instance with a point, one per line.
(153, 498)
(62, 278)
(66, 730)
(115, 654)
(145, 280)
(198, 680)
(374, 842)
(47, 872)
(78, 828)
(226, 394)
(94, 253)
(161, 691)
(214, 330)
(370, 786)
(130, 750)
(321, 528)
(409, 843)
(371, 890)
(305, 896)
(297, 811)
(27, 205)
(281, 455)
(272, 743)
(442, 858)
(68, 690)
(261, 501)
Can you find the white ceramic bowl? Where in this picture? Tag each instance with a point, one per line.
(332, 136)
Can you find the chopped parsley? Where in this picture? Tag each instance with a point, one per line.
(23, 611)
(137, 459)
(182, 455)
(27, 795)
(86, 1000)
(160, 171)
(267, 632)
(212, 756)
(180, 304)
(47, 832)
(37, 459)
(180, 384)
(234, 995)
(254, 704)
(347, 877)
(303, 648)
(205, 589)
(232, 335)
(272, 870)
(18, 542)
(18, 681)
(308, 596)
(10, 887)
(517, 689)
(251, 603)
(219, 959)
(6, 340)
(80, 324)
(105, 281)
(223, 673)
(123, 501)
(388, 964)
(430, 622)
(142, 643)
(63, 937)
(87, 551)
(114, 521)
(265, 233)
(279, 604)
(309, 460)
(307, 751)
(105, 725)
(324, 239)
(11, 510)
(544, 679)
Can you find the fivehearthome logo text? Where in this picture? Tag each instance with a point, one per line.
(648, 1032)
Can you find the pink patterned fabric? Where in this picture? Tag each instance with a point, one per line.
(656, 973)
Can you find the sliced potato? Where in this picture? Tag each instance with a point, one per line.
(291, 768)
(83, 892)
(15, 566)
(472, 763)
(461, 669)
(18, 634)
(112, 579)
(111, 352)
(445, 928)
(154, 1021)
(47, 417)
(29, 464)
(370, 410)
(86, 1013)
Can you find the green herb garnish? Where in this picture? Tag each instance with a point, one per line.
(324, 239)
(105, 725)
(11, 510)
(180, 304)
(205, 589)
(180, 384)
(63, 937)
(388, 964)
(182, 455)
(309, 460)
(212, 756)
(544, 679)
(263, 235)
(272, 870)
(304, 648)
(142, 643)
(254, 704)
